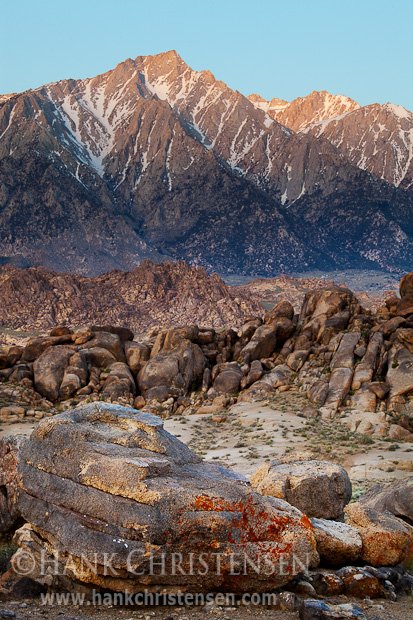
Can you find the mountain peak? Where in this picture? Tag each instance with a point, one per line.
(164, 61)
(398, 110)
(176, 163)
(305, 111)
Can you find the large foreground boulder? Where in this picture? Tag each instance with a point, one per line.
(114, 501)
(337, 543)
(318, 488)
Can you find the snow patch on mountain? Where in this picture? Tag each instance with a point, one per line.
(398, 110)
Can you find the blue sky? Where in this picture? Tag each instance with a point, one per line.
(362, 49)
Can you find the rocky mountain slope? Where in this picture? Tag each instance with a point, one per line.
(304, 111)
(376, 138)
(160, 294)
(155, 160)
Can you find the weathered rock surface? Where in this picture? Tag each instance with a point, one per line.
(49, 370)
(339, 387)
(103, 479)
(119, 383)
(281, 310)
(75, 377)
(406, 285)
(395, 497)
(344, 356)
(108, 341)
(175, 363)
(379, 388)
(9, 459)
(326, 311)
(367, 367)
(387, 540)
(10, 355)
(281, 375)
(137, 354)
(337, 543)
(318, 488)
(400, 377)
(229, 379)
(262, 344)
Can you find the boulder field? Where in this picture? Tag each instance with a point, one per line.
(336, 352)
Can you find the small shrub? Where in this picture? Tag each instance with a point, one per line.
(6, 551)
(365, 440)
(357, 493)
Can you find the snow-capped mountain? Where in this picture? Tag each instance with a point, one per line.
(154, 160)
(304, 111)
(376, 138)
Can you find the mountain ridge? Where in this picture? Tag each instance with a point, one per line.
(154, 160)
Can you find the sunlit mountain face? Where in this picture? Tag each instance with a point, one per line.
(155, 160)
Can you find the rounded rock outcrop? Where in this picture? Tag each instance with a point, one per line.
(104, 481)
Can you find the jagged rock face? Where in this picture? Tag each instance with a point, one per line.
(270, 107)
(153, 294)
(304, 111)
(166, 161)
(104, 479)
(375, 138)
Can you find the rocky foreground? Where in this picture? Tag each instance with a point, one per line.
(100, 478)
(104, 481)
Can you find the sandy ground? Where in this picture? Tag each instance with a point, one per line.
(255, 432)
(379, 609)
(252, 433)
